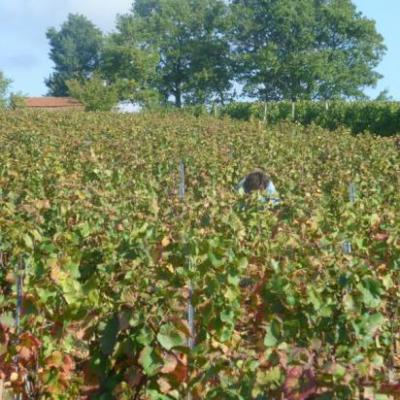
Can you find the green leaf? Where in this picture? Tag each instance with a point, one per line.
(149, 361)
(169, 337)
(339, 371)
(155, 395)
(7, 319)
(370, 290)
(273, 375)
(243, 263)
(271, 338)
(374, 322)
(84, 229)
(314, 298)
(28, 241)
(387, 282)
(72, 291)
(215, 262)
(227, 316)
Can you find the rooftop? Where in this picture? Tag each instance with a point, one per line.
(51, 102)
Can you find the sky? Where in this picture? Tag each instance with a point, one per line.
(24, 48)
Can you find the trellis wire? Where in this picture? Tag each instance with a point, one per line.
(190, 308)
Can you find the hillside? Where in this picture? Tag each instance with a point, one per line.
(91, 221)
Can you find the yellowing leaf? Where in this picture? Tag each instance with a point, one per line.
(165, 241)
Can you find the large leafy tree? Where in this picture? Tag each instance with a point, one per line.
(350, 47)
(193, 54)
(75, 50)
(129, 63)
(304, 49)
(4, 86)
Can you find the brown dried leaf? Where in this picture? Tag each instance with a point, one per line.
(170, 364)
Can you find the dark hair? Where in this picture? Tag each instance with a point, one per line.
(256, 180)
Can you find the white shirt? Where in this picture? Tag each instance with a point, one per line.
(271, 194)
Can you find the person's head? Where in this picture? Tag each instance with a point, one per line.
(254, 181)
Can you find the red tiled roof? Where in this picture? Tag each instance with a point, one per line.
(50, 102)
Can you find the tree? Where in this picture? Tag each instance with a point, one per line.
(17, 100)
(75, 50)
(94, 93)
(351, 49)
(189, 39)
(4, 86)
(129, 64)
(304, 49)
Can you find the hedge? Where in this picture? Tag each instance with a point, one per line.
(382, 118)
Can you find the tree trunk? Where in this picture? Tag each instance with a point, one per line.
(265, 108)
(178, 97)
(293, 110)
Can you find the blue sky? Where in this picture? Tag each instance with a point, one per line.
(24, 49)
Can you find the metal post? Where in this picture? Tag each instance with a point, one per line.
(181, 180)
(293, 110)
(20, 280)
(18, 310)
(352, 193)
(190, 315)
(346, 245)
(190, 308)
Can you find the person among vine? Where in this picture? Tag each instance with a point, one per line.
(258, 181)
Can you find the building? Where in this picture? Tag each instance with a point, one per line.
(53, 103)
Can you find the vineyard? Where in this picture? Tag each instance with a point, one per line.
(100, 255)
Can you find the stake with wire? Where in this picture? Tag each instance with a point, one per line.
(190, 308)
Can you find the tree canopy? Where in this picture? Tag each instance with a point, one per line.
(197, 51)
(189, 37)
(304, 49)
(75, 50)
(129, 63)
